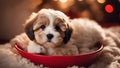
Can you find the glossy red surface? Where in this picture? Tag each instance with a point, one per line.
(61, 61)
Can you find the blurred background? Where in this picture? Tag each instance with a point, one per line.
(13, 13)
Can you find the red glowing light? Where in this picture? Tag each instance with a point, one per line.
(109, 8)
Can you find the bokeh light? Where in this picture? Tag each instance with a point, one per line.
(63, 1)
(101, 1)
(109, 8)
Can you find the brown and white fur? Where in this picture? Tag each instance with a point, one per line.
(54, 33)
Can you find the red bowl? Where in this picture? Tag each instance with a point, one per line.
(61, 61)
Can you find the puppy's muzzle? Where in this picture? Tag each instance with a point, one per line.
(49, 36)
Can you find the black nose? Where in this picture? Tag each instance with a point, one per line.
(49, 36)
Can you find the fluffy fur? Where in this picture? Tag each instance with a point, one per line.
(54, 31)
(109, 58)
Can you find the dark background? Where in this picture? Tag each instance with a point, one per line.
(13, 13)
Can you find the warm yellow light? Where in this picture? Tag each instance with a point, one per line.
(63, 1)
(101, 1)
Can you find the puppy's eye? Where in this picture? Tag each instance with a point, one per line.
(42, 26)
(57, 28)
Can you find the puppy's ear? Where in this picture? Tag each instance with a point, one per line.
(68, 33)
(29, 26)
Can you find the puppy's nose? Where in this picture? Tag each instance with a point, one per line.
(50, 36)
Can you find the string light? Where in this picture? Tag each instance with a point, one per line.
(109, 8)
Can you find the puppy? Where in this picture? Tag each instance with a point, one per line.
(59, 35)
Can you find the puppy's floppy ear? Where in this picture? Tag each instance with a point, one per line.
(68, 33)
(29, 26)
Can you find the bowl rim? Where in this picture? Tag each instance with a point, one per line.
(16, 45)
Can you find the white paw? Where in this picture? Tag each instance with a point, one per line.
(35, 48)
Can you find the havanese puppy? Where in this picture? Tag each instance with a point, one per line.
(53, 33)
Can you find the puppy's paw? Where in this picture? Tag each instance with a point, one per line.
(35, 48)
